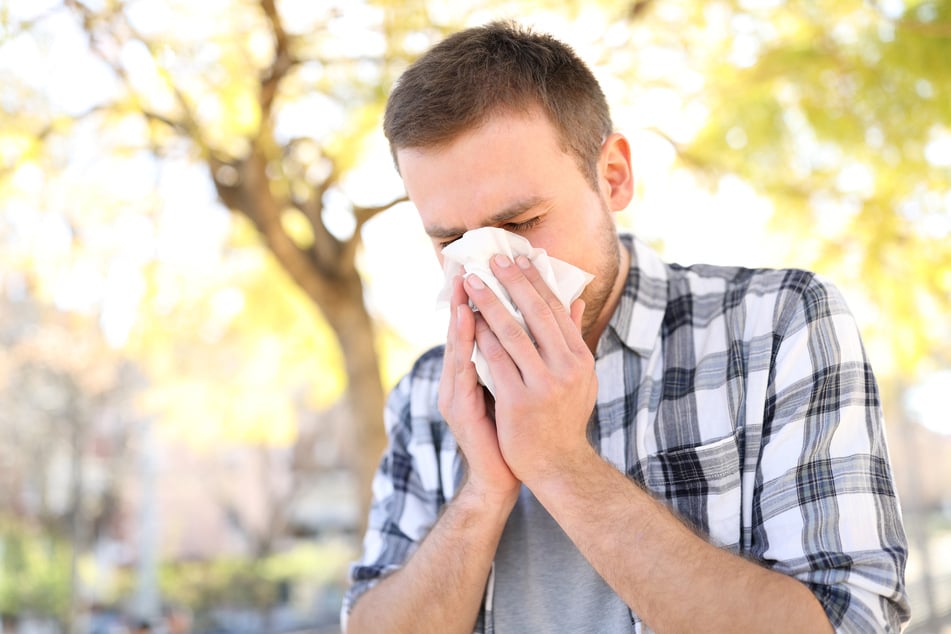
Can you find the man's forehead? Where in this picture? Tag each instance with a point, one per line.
(530, 113)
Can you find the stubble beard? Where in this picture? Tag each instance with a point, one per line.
(597, 293)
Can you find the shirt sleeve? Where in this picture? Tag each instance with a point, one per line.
(825, 510)
(409, 487)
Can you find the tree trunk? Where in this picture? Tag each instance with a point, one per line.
(333, 283)
(365, 399)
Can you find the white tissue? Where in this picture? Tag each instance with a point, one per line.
(471, 254)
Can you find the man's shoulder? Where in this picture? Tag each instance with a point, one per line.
(733, 285)
(428, 363)
(705, 279)
(788, 298)
(416, 394)
(712, 278)
(423, 376)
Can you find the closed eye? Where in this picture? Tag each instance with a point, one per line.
(522, 226)
(445, 243)
(515, 227)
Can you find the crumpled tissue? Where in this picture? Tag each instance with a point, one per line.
(471, 253)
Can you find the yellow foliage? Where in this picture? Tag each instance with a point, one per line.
(831, 123)
(297, 227)
(791, 99)
(235, 356)
(240, 113)
(348, 144)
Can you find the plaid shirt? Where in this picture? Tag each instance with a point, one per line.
(741, 398)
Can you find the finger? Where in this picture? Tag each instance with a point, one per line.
(577, 313)
(543, 311)
(458, 296)
(448, 366)
(508, 332)
(547, 318)
(465, 326)
(559, 310)
(458, 351)
(504, 370)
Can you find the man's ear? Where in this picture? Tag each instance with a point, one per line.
(615, 173)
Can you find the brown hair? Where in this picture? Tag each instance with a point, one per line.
(501, 66)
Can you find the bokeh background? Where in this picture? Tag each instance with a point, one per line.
(209, 275)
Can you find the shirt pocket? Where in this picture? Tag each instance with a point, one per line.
(702, 485)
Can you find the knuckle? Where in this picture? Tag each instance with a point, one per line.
(538, 305)
(511, 330)
(577, 373)
(556, 307)
(494, 352)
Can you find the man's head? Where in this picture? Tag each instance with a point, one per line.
(495, 69)
(497, 127)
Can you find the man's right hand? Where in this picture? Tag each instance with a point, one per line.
(466, 406)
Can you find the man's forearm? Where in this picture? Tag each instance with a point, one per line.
(440, 589)
(673, 579)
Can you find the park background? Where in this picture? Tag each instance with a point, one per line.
(209, 275)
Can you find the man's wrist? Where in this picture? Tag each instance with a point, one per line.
(474, 499)
(566, 468)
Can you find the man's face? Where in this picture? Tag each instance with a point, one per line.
(511, 173)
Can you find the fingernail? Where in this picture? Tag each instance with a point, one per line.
(523, 262)
(475, 282)
(501, 260)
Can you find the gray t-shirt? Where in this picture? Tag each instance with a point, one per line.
(544, 584)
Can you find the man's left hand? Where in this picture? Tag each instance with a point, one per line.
(544, 390)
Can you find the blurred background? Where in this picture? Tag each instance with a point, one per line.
(209, 276)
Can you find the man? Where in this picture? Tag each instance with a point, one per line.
(683, 449)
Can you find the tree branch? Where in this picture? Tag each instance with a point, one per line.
(638, 9)
(38, 138)
(327, 248)
(188, 125)
(13, 30)
(363, 214)
(282, 63)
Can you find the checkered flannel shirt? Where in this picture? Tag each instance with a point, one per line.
(740, 398)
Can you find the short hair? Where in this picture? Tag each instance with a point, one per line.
(476, 73)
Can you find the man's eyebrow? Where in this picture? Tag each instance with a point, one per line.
(507, 213)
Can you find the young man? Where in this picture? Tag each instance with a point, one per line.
(684, 449)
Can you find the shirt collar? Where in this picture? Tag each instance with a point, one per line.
(640, 311)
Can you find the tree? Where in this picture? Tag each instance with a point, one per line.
(262, 176)
(841, 115)
(277, 116)
(838, 114)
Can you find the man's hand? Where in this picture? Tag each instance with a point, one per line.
(546, 389)
(462, 402)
